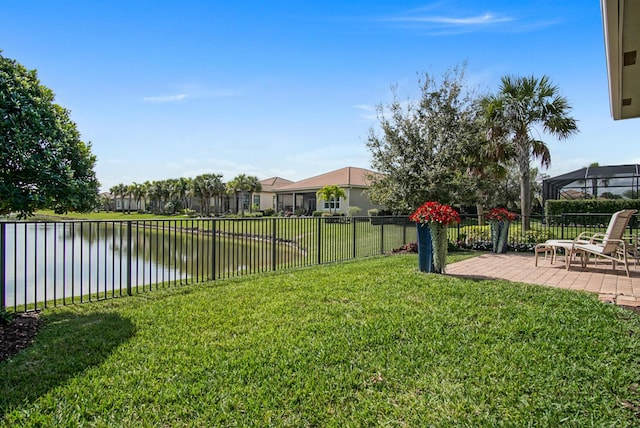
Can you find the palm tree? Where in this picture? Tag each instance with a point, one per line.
(331, 193)
(242, 184)
(137, 191)
(119, 190)
(522, 105)
(254, 187)
(216, 190)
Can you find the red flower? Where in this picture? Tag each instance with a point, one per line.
(500, 214)
(435, 212)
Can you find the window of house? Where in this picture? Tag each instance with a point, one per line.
(332, 204)
(256, 200)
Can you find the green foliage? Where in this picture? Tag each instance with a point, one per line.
(420, 153)
(5, 317)
(353, 210)
(372, 212)
(242, 184)
(598, 206)
(269, 212)
(476, 233)
(331, 193)
(531, 236)
(556, 211)
(364, 343)
(43, 162)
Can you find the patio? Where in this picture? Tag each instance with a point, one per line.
(612, 287)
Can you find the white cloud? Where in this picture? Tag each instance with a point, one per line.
(484, 19)
(367, 112)
(166, 99)
(441, 19)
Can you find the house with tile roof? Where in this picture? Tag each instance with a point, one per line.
(301, 195)
(266, 198)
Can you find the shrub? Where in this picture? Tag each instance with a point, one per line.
(353, 211)
(171, 207)
(5, 317)
(555, 208)
(372, 212)
(476, 233)
(269, 212)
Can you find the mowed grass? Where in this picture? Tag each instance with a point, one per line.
(360, 343)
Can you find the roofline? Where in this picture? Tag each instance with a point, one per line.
(612, 13)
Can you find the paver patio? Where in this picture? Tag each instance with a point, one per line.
(612, 286)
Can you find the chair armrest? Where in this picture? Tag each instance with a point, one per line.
(587, 237)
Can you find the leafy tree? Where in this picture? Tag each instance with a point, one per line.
(43, 162)
(522, 105)
(420, 153)
(331, 193)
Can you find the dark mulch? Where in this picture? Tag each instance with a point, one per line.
(18, 334)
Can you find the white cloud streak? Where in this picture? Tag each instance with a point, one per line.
(166, 99)
(485, 19)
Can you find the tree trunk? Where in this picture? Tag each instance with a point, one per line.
(480, 210)
(524, 167)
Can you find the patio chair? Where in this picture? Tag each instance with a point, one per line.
(609, 245)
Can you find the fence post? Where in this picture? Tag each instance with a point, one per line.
(214, 242)
(319, 235)
(129, 251)
(382, 236)
(353, 221)
(274, 252)
(3, 258)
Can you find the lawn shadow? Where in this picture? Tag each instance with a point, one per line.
(67, 345)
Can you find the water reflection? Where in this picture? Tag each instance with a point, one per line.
(94, 260)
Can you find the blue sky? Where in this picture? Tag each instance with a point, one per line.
(167, 89)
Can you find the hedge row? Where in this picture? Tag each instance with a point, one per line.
(592, 208)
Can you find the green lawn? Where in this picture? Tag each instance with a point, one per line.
(359, 343)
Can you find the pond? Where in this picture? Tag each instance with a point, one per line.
(79, 261)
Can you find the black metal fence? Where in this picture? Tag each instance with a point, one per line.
(59, 263)
(469, 234)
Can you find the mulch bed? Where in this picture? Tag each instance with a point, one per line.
(18, 334)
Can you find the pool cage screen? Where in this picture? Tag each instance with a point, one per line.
(595, 182)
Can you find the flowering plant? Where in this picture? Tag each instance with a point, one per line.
(435, 212)
(500, 214)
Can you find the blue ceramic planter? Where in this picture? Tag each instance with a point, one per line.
(425, 248)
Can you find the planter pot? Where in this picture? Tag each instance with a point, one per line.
(432, 247)
(499, 236)
(440, 244)
(425, 248)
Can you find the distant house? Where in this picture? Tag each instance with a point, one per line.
(121, 203)
(301, 195)
(267, 198)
